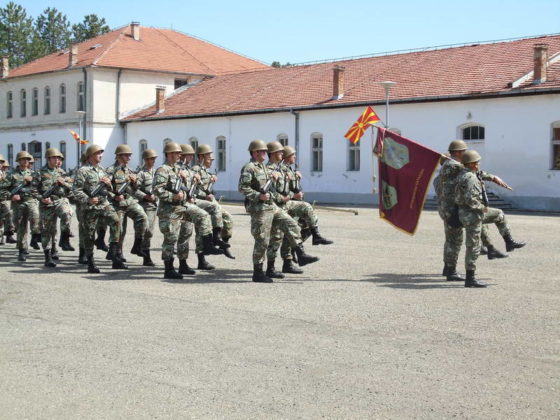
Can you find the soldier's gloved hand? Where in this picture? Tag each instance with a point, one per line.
(196, 178)
(119, 198)
(298, 196)
(485, 210)
(93, 200)
(298, 174)
(275, 175)
(28, 178)
(286, 198)
(106, 181)
(214, 178)
(46, 200)
(264, 197)
(500, 182)
(179, 196)
(149, 197)
(210, 197)
(16, 197)
(132, 178)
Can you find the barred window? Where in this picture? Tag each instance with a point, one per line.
(9, 105)
(353, 156)
(556, 145)
(283, 139)
(62, 99)
(23, 97)
(80, 96)
(221, 153)
(63, 151)
(47, 109)
(317, 152)
(35, 101)
(143, 146)
(473, 132)
(11, 155)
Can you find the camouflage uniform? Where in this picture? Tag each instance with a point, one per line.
(6, 216)
(145, 187)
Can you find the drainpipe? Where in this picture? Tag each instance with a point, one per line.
(296, 114)
(83, 146)
(118, 100)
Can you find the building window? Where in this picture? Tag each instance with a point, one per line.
(283, 139)
(165, 141)
(473, 133)
(23, 95)
(48, 145)
(193, 141)
(62, 147)
(62, 102)
(36, 150)
(143, 146)
(11, 155)
(35, 101)
(221, 153)
(317, 152)
(47, 109)
(9, 105)
(180, 82)
(80, 96)
(556, 145)
(23, 147)
(353, 156)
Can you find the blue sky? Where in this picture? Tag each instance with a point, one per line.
(300, 31)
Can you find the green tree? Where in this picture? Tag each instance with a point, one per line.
(91, 27)
(16, 34)
(52, 31)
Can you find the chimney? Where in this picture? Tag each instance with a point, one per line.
(338, 82)
(5, 68)
(73, 55)
(540, 59)
(160, 99)
(135, 27)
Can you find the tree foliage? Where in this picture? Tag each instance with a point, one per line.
(91, 27)
(16, 34)
(52, 31)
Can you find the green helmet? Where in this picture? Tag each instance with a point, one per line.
(23, 155)
(93, 149)
(187, 149)
(203, 149)
(470, 156)
(257, 145)
(123, 149)
(53, 152)
(457, 146)
(149, 153)
(288, 151)
(172, 147)
(274, 146)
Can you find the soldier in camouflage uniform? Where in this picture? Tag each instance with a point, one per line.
(222, 223)
(254, 184)
(174, 208)
(7, 227)
(474, 212)
(148, 200)
(24, 203)
(52, 187)
(124, 183)
(91, 187)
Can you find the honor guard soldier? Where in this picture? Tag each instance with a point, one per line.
(255, 184)
(470, 196)
(148, 200)
(52, 187)
(124, 182)
(7, 227)
(82, 258)
(17, 187)
(92, 188)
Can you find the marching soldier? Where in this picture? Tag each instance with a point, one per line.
(148, 200)
(91, 188)
(17, 187)
(82, 258)
(222, 222)
(470, 196)
(124, 183)
(174, 208)
(7, 227)
(186, 230)
(52, 187)
(254, 183)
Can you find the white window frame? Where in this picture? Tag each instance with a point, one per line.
(221, 153)
(23, 103)
(463, 127)
(283, 139)
(353, 157)
(34, 102)
(317, 152)
(9, 104)
(62, 147)
(80, 103)
(47, 105)
(62, 98)
(143, 145)
(555, 144)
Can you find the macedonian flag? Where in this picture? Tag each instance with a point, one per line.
(77, 137)
(368, 117)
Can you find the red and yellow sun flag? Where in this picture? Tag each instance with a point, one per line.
(77, 137)
(368, 117)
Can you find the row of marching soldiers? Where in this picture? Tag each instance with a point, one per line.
(179, 193)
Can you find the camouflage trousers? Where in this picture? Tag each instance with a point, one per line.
(170, 223)
(6, 217)
(220, 218)
(300, 211)
(26, 211)
(61, 210)
(135, 212)
(107, 216)
(151, 214)
(263, 223)
(185, 234)
(81, 230)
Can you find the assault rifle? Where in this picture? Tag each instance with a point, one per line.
(18, 189)
(99, 190)
(50, 191)
(265, 189)
(210, 187)
(122, 188)
(483, 187)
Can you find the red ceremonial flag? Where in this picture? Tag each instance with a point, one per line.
(77, 137)
(405, 172)
(368, 117)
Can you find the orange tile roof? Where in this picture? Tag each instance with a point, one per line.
(157, 50)
(460, 71)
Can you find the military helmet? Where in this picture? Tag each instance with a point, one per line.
(187, 149)
(24, 155)
(274, 146)
(5, 164)
(257, 145)
(470, 156)
(457, 146)
(288, 151)
(123, 149)
(172, 147)
(203, 149)
(149, 153)
(31, 159)
(53, 152)
(93, 149)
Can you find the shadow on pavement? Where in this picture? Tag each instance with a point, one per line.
(412, 281)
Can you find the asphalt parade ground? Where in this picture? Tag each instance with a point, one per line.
(370, 331)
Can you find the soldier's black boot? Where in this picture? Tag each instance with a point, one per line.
(170, 272)
(203, 264)
(22, 256)
(184, 268)
(289, 268)
(271, 271)
(259, 276)
(64, 242)
(471, 281)
(227, 251)
(511, 244)
(54, 253)
(10, 238)
(100, 241)
(318, 239)
(217, 239)
(303, 258)
(451, 273)
(48, 259)
(208, 246)
(118, 263)
(137, 247)
(147, 259)
(35, 240)
(91, 267)
(82, 259)
(494, 253)
(483, 250)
